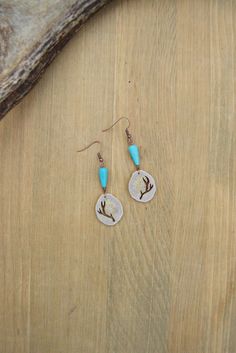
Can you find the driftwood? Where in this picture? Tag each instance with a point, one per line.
(31, 35)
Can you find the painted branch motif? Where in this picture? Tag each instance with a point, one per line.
(148, 187)
(103, 212)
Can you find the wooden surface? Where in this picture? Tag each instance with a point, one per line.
(32, 33)
(163, 280)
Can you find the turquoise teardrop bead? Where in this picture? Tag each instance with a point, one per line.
(134, 154)
(103, 177)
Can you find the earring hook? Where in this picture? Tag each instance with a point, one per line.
(123, 117)
(101, 160)
(91, 144)
(128, 134)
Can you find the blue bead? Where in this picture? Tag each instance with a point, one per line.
(103, 177)
(134, 154)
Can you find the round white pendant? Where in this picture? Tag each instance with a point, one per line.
(109, 209)
(142, 186)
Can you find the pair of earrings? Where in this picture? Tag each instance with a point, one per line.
(142, 187)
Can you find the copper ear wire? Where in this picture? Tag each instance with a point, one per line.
(123, 117)
(128, 134)
(91, 144)
(101, 160)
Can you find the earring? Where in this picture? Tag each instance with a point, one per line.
(142, 186)
(108, 208)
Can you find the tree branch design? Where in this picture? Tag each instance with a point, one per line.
(103, 212)
(148, 187)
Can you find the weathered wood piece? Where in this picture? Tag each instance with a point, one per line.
(31, 35)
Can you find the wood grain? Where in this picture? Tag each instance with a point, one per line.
(162, 280)
(32, 33)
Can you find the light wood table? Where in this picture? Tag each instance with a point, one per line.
(162, 280)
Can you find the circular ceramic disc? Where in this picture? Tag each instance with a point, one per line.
(109, 209)
(142, 186)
